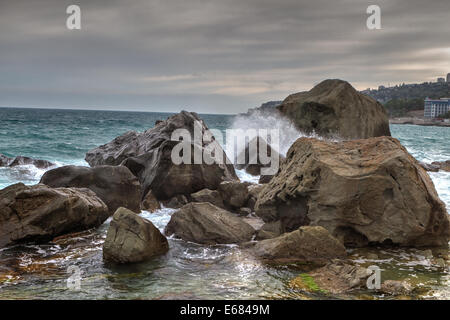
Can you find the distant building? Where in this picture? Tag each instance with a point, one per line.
(435, 108)
(441, 80)
(381, 87)
(448, 77)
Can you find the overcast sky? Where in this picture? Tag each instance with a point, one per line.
(211, 56)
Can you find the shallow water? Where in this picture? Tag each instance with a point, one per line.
(188, 271)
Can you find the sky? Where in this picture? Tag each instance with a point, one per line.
(211, 56)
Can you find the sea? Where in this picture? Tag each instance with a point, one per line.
(188, 271)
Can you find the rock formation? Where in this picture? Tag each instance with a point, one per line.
(131, 238)
(115, 185)
(334, 108)
(362, 191)
(40, 213)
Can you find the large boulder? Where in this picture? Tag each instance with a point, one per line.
(335, 108)
(131, 238)
(234, 194)
(115, 185)
(40, 213)
(205, 223)
(362, 191)
(148, 155)
(207, 195)
(305, 245)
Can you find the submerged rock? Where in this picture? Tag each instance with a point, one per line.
(305, 245)
(21, 160)
(115, 185)
(336, 277)
(396, 287)
(40, 213)
(205, 223)
(335, 108)
(362, 191)
(131, 238)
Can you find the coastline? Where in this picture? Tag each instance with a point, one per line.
(419, 122)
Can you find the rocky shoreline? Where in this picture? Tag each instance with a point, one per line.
(327, 199)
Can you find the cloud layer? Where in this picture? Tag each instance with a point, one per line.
(210, 56)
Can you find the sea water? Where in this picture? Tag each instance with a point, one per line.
(188, 270)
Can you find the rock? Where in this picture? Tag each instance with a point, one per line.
(40, 213)
(131, 238)
(234, 194)
(395, 287)
(372, 256)
(442, 165)
(334, 278)
(4, 160)
(115, 185)
(21, 160)
(207, 195)
(265, 179)
(254, 157)
(150, 203)
(335, 108)
(362, 191)
(133, 144)
(205, 223)
(244, 211)
(429, 167)
(270, 230)
(176, 202)
(305, 245)
(253, 192)
(441, 263)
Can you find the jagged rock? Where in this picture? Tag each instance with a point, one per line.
(205, 223)
(335, 108)
(207, 195)
(148, 155)
(429, 167)
(115, 185)
(40, 213)
(305, 245)
(150, 203)
(362, 191)
(234, 194)
(4, 160)
(131, 238)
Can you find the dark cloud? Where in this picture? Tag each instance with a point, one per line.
(209, 55)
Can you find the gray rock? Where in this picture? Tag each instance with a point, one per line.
(234, 194)
(335, 108)
(115, 185)
(40, 213)
(207, 195)
(131, 239)
(205, 223)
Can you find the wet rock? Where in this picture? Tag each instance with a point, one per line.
(305, 245)
(207, 195)
(336, 277)
(257, 156)
(40, 213)
(395, 287)
(442, 165)
(21, 160)
(131, 239)
(362, 191)
(244, 211)
(335, 108)
(253, 192)
(234, 194)
(205, 223)
(150, 203)
(115, 185)
(148, 156)
(429, 167)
